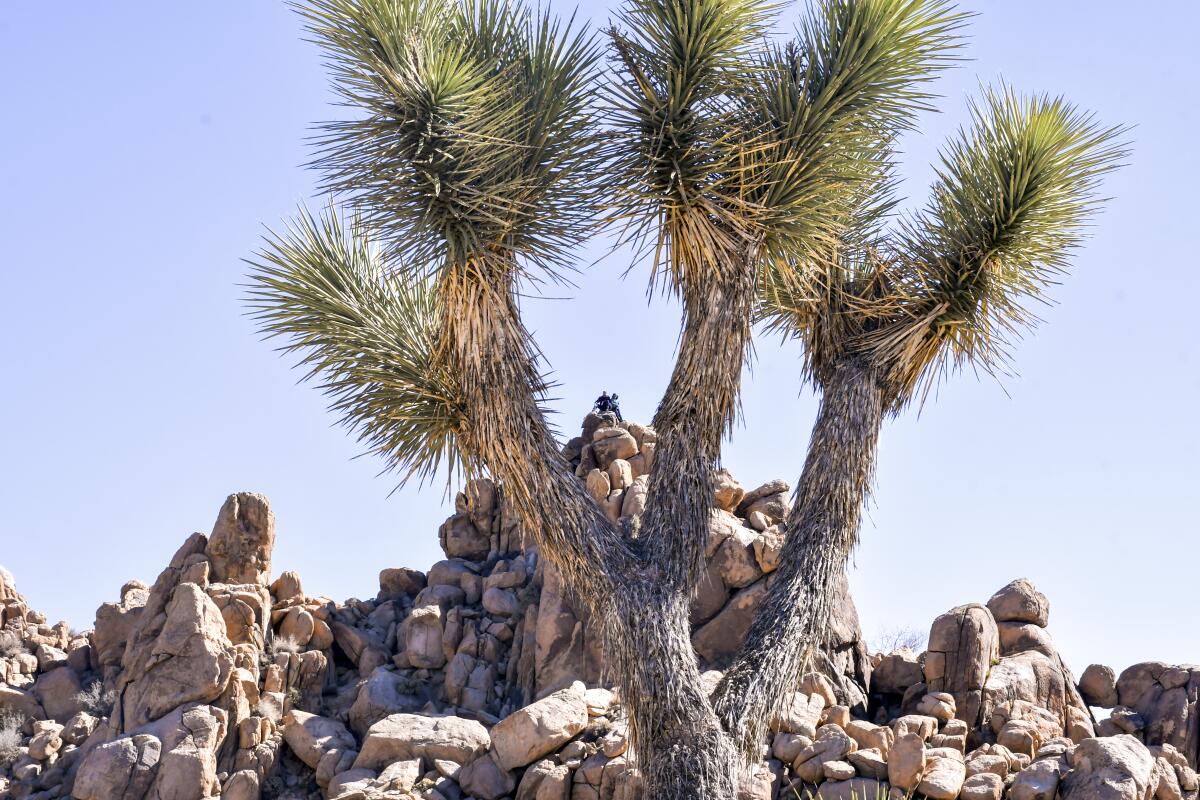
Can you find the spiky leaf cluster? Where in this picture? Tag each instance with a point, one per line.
(732, 148)
(1012, 200)
(368, 332)
(472, 137)
(953, 283)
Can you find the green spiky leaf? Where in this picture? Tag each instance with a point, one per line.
(475, 136)
(368, 332)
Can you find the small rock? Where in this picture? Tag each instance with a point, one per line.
(501, 602)
(983, 786)
(727, 492)
(838, 770)
(485, 779)
(939, 705)
(831, 744)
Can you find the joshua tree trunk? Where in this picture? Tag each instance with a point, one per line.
(821, 531)
(681, 749)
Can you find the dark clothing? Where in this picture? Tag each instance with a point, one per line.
(604, 404)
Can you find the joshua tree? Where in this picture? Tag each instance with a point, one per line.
(759, 176)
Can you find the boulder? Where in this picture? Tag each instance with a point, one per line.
(800, 714)
(735, 561)
(20, 703)
(353, 784)
(633, 503)
(58, 692)
(609, 444)
(405, 736)
(1098, 686)
(944, 774)
(287, 587)
(123, 769)
(460, 538)
(191, 736)
(767, 548)
(831, 744)
(115, 623)
(776, 487)
(786, 746)
(709, 595)
(1020, 637)
(563, 646)
(906, 761)
(310, 736)
(919, 724)
(869, 763)
(239, 549)
(501, 602)
(853, 789)
(401, 581)
(1167, 698)
(620, 474)
(485, 779)
(423, 637)
(982, 786)
(939, 705)
(727, 492)
(297, 626)
(722, 636)
(1020, 601)
(540, 728)
(1040, 780)
(1112, 768)
(767, 511)
(963, 644)
(870, 736)
(383, 693)
(896, 672)
(242, 785)
(1032, 680)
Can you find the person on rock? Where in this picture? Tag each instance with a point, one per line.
(603, 403)
(614, 407)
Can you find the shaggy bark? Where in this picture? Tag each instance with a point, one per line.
(688, 755)
(821, 530)
(680, 746)
(697, 409)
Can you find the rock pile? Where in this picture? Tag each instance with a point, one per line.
(481, 678)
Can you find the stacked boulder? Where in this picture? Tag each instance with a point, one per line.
(744, 541)
(483, 678)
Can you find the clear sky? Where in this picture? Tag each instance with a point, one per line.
(143, 146)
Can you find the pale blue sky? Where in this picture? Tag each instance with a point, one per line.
(144, 144)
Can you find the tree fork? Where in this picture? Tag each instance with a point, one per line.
(680, 746)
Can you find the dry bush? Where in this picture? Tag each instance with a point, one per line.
(11, 645)
(10, 738)
(889, 640)
(96, 700)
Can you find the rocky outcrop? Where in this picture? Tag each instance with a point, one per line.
(483, 678)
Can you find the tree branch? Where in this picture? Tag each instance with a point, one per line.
(822, 529)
